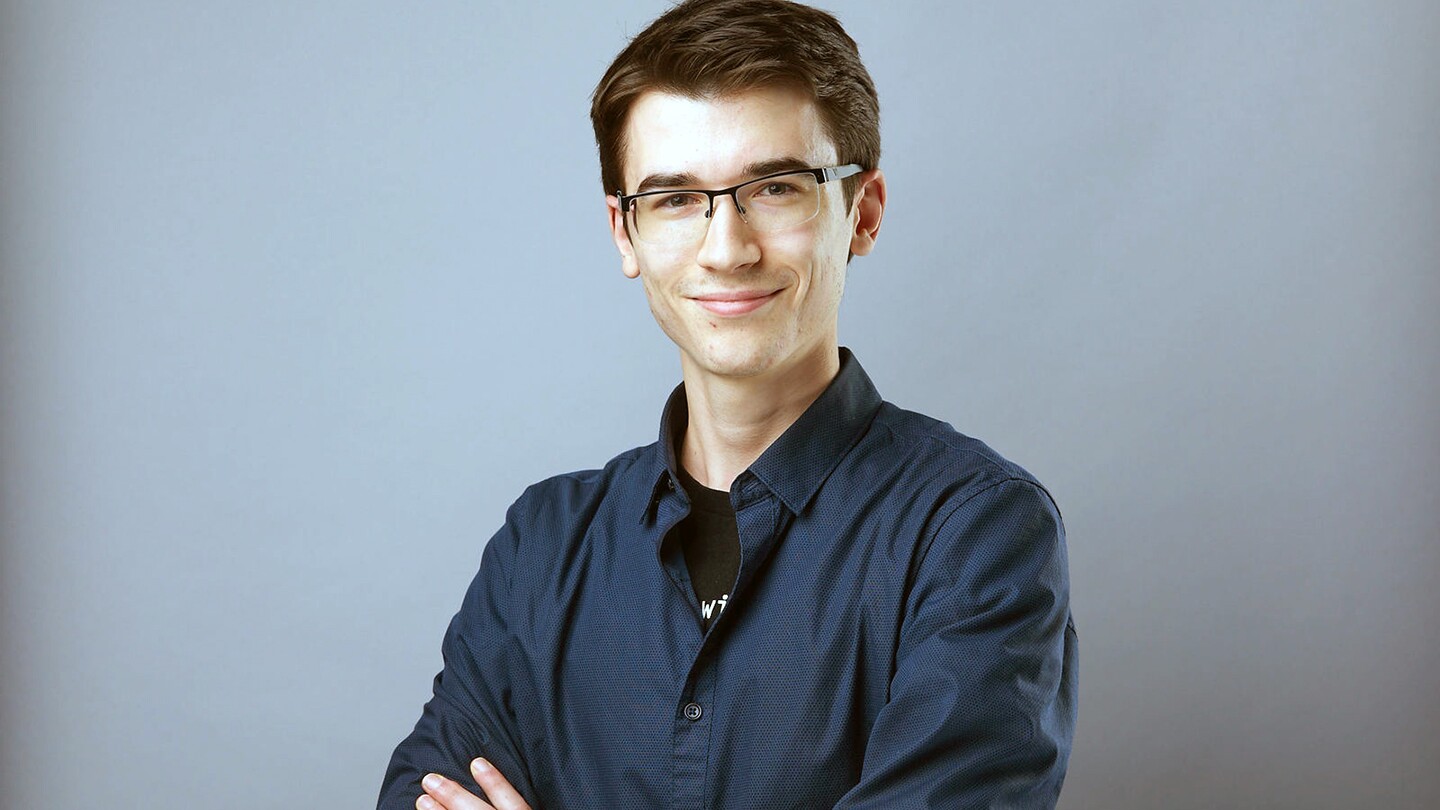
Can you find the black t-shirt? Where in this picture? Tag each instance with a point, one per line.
(711, 545)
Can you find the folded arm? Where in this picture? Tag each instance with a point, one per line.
(981, 709)
(468, 715)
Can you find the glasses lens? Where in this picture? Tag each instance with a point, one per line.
(670, 218)
(777, 203)
(770, 204)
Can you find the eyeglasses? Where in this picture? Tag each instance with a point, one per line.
(770, 203)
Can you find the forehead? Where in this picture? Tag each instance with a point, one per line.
(714, 138)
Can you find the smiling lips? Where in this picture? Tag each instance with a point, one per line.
(734, 303)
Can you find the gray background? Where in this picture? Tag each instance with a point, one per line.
(298, 297)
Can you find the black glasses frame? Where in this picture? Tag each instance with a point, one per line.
(822, 175)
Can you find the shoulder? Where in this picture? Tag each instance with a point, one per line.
(993, 533)
(573, 497)
(551, 518)
(957, 467)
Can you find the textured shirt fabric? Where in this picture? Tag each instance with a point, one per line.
(899, 635)
(710, 541)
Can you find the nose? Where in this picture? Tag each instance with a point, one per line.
(729, 242)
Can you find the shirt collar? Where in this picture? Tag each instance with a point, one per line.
(798, 462)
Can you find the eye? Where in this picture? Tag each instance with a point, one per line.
(676, 200)
(777, 189)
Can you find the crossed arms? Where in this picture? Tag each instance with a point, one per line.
(980, 708)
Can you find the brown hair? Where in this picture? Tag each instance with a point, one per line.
(705, 48)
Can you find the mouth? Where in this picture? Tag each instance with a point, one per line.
(739, 302)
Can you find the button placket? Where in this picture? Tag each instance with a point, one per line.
(692, 737)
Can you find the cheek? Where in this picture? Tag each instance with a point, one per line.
(659, 279)
(657, 270)
(662, 262)
(818, 259)
(659, 302)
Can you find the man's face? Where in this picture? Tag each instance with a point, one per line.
(789, 282)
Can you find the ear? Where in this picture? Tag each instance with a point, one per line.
(628, 264)
(870, 209)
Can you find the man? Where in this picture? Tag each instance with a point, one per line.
(800, 595)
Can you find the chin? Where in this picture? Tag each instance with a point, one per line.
(740, 359)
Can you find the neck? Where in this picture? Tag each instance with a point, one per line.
(733, 419)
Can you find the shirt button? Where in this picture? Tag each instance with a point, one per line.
(693, 711)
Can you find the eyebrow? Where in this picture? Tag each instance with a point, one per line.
(686, 180)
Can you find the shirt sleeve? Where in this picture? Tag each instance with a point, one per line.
(469, 713)
(981, 709)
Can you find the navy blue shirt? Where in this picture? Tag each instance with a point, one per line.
(898, 636)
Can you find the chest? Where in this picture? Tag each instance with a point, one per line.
(622, 682)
